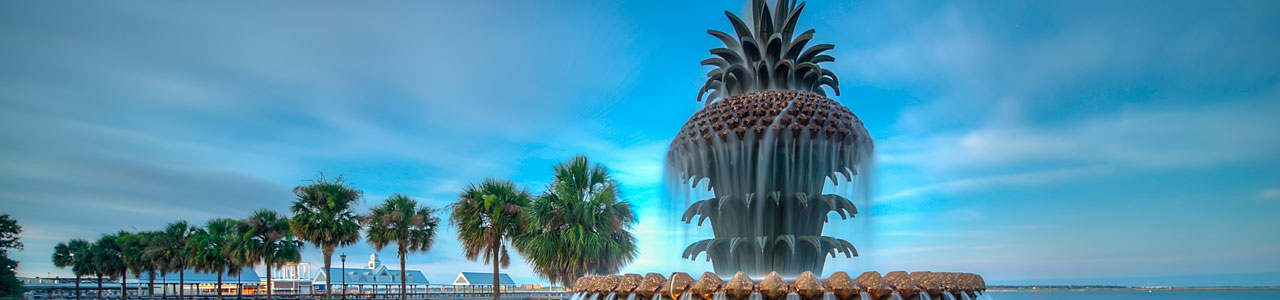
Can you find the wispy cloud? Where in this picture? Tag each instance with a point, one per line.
(1037, 177)
(1269, 194)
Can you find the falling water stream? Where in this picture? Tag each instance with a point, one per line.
(767, 160)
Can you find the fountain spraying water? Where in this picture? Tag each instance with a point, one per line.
(765, 145)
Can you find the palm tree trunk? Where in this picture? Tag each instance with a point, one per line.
(164, 285)
(99, 286)
(239, 287)
(124, 282)
(267, 262)
(495, 271)
(182, 280)
(77, 286)
(328, 274)
(151, 285)
(219, 287)
(403, 296)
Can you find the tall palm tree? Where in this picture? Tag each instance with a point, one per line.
(209, 248)
(108, 260)
(76, 254)
(401, 220)
(486, 216)
(180, 255)
(578, 226)
(324, 214)
(266, 237)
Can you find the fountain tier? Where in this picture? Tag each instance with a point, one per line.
(767, 155)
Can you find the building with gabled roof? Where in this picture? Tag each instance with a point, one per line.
(374, 277)
(483, 279)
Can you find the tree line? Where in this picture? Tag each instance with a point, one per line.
(578, 226)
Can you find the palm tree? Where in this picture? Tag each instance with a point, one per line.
(95, 263)
(77, 255)
(108, 260)
(485, 216)
(324, 214)
(133, 249)
(160, 245)
(401, 220)
(180, 255)
(266, 237)
(578, 226)
(209, 248)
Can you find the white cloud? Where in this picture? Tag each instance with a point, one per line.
(1269, 194)
(1140, 137)
(1037, 177)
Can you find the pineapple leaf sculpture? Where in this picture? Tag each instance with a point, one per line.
(766, 142)
(767, 56)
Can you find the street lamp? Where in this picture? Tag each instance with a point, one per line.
(344, 275)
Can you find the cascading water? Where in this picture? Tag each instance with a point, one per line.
(657, 297)
(829, 296)
(965, 296)
(793, 296)
(631, 296)
(755, 296)
(767, 156)
(686, 296)
(866, 296)
(925, 296)
(896, 296)
(720, 296)
(610, 296)
(594, 296)
(948, 296)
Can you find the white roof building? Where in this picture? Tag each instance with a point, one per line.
(482, 279)
(372, 274)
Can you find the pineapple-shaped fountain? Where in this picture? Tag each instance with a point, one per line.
(766, 142)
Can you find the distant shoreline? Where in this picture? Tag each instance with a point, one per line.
(1059, 288)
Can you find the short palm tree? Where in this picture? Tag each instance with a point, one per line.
(578, 226)
(401, 220)
(208, 248)
(237, 254)
(75, 254)
(179, 257)
(266, 237)
(135, 249)
(324, 214)
(486, 216)
(159, 246)
(108, 260)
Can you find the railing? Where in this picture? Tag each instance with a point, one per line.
(434, 295)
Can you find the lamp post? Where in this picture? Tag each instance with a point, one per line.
(344, 275)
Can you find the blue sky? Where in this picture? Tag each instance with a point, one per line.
(1031, 142)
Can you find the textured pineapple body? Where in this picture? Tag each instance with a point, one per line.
(766, 155)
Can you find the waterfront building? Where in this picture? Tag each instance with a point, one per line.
(373, 278)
